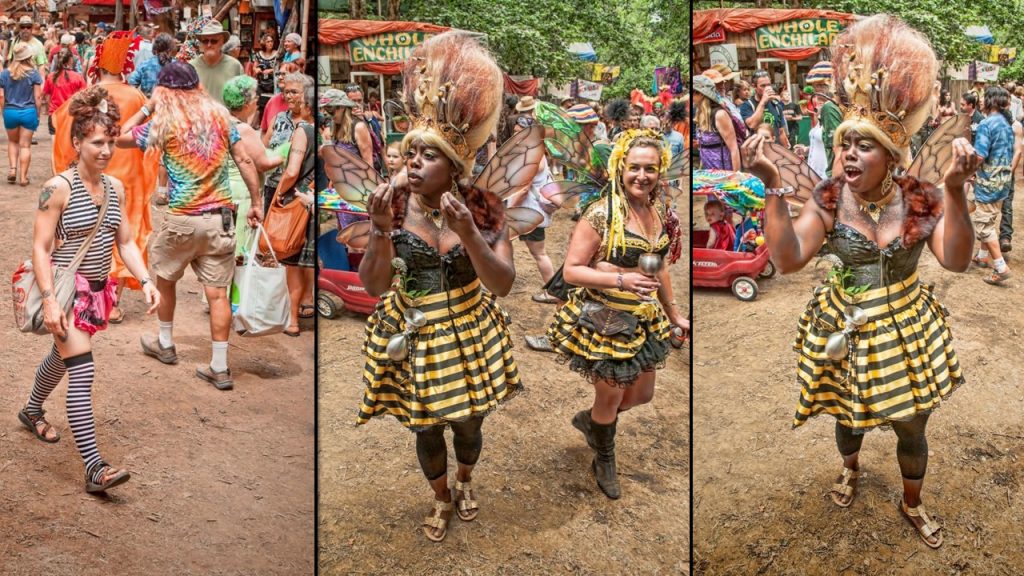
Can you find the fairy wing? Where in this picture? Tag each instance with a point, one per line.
(935, 154)
(355, 235)
(515, 164)
(353, 179)
(679, 166)
(794, 171)
(522, 220)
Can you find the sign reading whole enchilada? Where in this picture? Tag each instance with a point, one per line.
(801, 33)
(386, 47)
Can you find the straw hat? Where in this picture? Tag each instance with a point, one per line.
(714, 75)
(526, 103)
(23, 51)
(725, 71)
(25, 20)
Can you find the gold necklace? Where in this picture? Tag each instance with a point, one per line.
(435, 217)
(645, 231)
(874, 209)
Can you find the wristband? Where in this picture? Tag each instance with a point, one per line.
(784, 191)
(618, 281)
(378, 232)
(145, 111)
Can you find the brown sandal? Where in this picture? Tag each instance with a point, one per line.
(468, 508)
(844, 488)
(436, 521)
(32, 421)
(927, 530)
(105, 478)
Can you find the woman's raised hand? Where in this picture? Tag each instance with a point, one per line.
(755, 162)
(379, 207)
(964, 164)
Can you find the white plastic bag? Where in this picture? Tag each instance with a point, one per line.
(264, 305)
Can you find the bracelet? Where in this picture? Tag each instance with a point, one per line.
(378, 232)
(784, 191)
(618, 281)
(145, 111)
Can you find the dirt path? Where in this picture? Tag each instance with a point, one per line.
(542, 512)
(222, 482)
(760, 502)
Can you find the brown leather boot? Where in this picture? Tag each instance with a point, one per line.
(604, 461)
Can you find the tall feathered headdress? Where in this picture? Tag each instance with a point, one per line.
(452, 92)
(885, 71)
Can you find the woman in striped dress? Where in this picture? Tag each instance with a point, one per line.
(896, 362)
(439, 253)
(69, 209)
(611, 330)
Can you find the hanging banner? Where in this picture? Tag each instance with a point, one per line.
(1002, 55)
(667, 76)
(725, 54)
(604, 73)
(716, 35)
(802, 33)
(985, 72)
(385, 48)
(586, 90)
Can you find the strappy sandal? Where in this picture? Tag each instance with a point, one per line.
(927, 530)
(12, 177)
(31, 421)
(468, 508)
(307, 311)
(24, 183)
(114, 477)
(436, 521)
(116, 319)
(844, 488)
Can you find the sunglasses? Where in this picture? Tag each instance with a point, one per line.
(25, 26)
(209, 41)
(524, 121)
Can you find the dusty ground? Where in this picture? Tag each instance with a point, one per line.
(222, 482)
(542, 512)
(760, 502)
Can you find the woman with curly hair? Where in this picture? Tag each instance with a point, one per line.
(438, 352)
(611, 330)
(82, 205)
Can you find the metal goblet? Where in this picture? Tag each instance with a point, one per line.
(398, 345)
(650, 264)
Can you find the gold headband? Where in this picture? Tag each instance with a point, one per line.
(888, 123)
(449, 133)
(866, 104)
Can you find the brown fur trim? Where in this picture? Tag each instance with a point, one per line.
(922, 208)
(922, 205)
(488, 210)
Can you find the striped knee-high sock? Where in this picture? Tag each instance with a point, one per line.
(80, 376)
(48, 375)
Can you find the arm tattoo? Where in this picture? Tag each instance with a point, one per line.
(46, 294)
(44, 197)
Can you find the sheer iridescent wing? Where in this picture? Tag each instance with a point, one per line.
(794, 171)
(353, 179)
(679, 166)
(355, 235)
(515, 164)
(522, 220)
(566, 141)
(933, 158)
(560, 192)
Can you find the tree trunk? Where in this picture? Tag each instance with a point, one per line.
(133, 16)
(118, 14)
(393, 8)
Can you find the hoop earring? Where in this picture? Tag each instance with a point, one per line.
(887, 183)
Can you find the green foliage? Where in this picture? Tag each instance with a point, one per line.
(531, 37)
(842, 276)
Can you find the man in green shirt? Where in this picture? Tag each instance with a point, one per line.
(25, 37)
(213, 66)
(829, 115)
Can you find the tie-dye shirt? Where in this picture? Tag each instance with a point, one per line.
(198, 179)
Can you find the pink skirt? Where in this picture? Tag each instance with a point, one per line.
(92, 308)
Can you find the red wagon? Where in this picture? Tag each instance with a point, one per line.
(726, 269)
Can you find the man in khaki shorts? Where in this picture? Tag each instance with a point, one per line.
(195, 138)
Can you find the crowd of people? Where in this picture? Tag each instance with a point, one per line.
(440, 253)
(145, 121)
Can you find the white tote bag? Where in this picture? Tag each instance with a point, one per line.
(264, 305)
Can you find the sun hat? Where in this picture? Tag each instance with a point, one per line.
(725, 71)
(67, 39)
(178, 75)
(582, 114)
(714, 75)
(23, 51)
(820, 72)
(25, 20)
(526, 103)
(705, 86)
(213, 28)
(334, 97)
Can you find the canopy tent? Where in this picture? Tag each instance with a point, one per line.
(711, 25)
(584, 50)
(980, 34)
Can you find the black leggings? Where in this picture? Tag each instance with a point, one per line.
(433, 452)
(911, 445)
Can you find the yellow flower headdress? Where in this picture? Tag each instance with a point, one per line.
(615, 231)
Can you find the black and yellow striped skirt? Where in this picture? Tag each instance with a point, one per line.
(902, 361)
(460, 363)
(617, 359)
